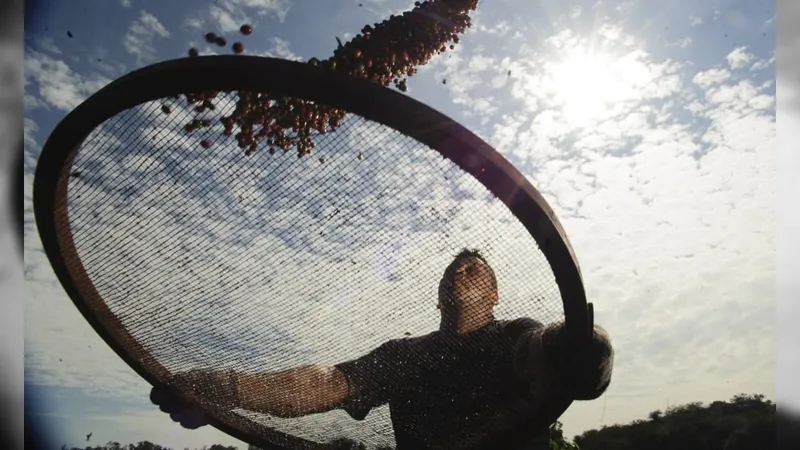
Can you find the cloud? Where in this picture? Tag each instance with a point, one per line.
(58, 85)
(279, 48)
(762, 64)
(695, 21)
(229, 15)
(30, 128)
(739, 58)
(47, 44)
(32, 103)
(682, 43)
(195, 23)
(711, 77)
(125, 3)
(141, 36)
(500, 28)
(625, 7)
(98, 59)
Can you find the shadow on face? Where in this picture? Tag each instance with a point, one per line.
(468, 284)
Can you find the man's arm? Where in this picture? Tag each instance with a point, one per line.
(544, 357)
(545, 376)
(374, 377)
(355, 386)
(294, 392)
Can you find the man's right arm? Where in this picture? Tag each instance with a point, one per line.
(372, 378)
(292, 393)
(355, 386)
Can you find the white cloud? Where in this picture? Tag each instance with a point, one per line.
(575, 11)
(695, 21)
(229, 15)
(625, 7)
(279, 48)
(739, 58)
(711, 77)
(125, 3)
(58, 85)
(32, 103)
(141, 36)
(762, 64)
(47, 44)
(682, 43)
(615, 35)
(500, 28)
(30, 128)
(195, 23)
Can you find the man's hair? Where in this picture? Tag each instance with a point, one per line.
(446, 287)
(475, 253)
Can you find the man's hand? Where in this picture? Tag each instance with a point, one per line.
(552, 365)
(218, 387)
(170, 401)
(580, 370)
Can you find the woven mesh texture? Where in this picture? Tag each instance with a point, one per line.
(212, 259)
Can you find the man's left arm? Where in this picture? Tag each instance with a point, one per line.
(539, 355)
(546, 359)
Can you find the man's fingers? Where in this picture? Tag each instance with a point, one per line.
(158, 395)
(189, 418)
(171, 401)
(161, 394)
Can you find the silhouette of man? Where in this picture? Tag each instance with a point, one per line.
(446, 389)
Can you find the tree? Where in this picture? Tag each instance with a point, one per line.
(384, 53)
(557, 440)
(745, 422)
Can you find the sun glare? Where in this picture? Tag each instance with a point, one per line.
(586, 84)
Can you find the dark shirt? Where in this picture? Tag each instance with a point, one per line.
(442, 388)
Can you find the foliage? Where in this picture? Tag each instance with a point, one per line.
(142, 445)
(557, 440)
(745, 422)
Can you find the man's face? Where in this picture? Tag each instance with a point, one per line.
(473, 283)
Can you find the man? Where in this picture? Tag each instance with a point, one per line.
(447, 389)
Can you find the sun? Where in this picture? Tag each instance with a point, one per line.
(586, 85)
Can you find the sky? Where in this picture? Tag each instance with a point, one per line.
(648, 126)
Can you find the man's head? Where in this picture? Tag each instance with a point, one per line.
(468, 284)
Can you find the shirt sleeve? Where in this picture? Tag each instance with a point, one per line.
(518, 327)
(522, 332)
(373, 377)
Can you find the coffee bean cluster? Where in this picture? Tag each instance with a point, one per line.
(386, 53)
